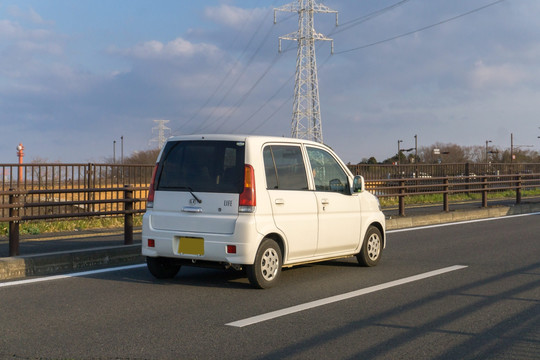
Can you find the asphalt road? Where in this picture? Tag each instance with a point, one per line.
(467, 291)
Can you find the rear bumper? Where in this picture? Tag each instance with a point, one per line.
(245, 238)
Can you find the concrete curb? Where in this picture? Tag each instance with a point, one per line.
(456, 216)
(82, 260)
(69, 261)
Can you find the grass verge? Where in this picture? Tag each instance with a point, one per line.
(52, 226)
(438, 198)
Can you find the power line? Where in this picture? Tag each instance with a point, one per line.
(224, 78)
(355, 22)
(246, 94)
(421, 29)
(273, 96)
(233, 84)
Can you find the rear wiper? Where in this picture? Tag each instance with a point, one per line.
(191, 192)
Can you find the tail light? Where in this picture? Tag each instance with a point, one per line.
(248, 199)
(151, 190)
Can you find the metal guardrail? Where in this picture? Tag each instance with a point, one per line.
(449, 185)
(420, 170)
(21, 207)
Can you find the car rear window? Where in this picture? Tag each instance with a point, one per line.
(203, 166)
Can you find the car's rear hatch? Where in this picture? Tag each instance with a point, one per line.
(197, 186)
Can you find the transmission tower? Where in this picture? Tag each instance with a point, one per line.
(306, 118)
(161, 128)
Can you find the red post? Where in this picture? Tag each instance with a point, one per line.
(20, 154)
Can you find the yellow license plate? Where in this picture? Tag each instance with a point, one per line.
(191, 246)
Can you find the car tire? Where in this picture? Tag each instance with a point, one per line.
(265, 271)
(372, 247)
(162, 268)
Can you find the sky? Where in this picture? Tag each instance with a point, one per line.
(76, 76)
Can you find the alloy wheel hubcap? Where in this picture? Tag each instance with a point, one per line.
(373, 247)
(269, 264)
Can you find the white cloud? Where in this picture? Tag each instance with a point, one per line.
(232, 16)
(506, 75)
(28, 15)
(177, 48)
(11, 30)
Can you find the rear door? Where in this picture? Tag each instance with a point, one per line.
(198, 185)
(294, 206)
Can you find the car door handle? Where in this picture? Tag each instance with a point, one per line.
(279, 201)
(325, 201)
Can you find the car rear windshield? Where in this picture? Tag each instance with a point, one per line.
(203, 166)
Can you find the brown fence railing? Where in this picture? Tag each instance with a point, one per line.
(378, 171)
(60, 191)
(450, 185)
(28, 205)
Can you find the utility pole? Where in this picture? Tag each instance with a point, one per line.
(162, 129)
(306, 118)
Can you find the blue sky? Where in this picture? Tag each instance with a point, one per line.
(77, 75)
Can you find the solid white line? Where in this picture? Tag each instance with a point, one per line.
(336, 298)
(65, 276)
(460, 223)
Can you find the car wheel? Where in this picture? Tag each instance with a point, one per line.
(264, 273)
(371, 248)
(162, 268)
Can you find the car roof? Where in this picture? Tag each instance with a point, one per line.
(247, 138)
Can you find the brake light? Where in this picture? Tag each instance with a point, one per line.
(248, 199)
(151, 190)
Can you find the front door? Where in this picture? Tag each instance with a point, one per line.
(338, 209)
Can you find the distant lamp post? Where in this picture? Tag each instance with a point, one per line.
(416, 148)
(487, 142)
(20, 154)
(398, 150)
(114, 151)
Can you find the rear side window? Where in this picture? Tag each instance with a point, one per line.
(284, 167)
(203, 166)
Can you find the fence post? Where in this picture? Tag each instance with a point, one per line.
(518, 189)
(467, 174)
(401, 197)
(128, 215)
(484, 191)
(13, 225)
(445, 195)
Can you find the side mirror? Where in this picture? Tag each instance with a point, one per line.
(358, 184)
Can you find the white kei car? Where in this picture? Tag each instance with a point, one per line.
(256, 203)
